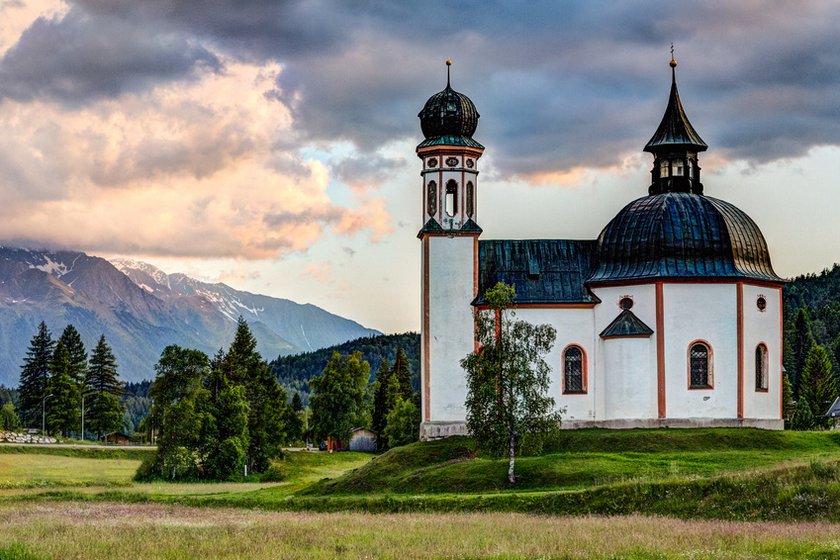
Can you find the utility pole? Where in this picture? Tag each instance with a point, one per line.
(44, 414)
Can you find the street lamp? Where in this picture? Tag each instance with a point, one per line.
(44, 414)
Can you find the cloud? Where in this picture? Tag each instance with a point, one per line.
(366, 171)
(559, 86)
(182, 170)
(78, 58)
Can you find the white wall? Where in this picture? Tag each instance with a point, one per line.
(451, 326)
(641, 376)
(574, 326)
(762, 326)
(707, 312)
(630, 387)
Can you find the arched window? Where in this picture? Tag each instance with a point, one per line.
(470, 199)
(664, 170)
(699, 366)
(431, 198)
(690, 168)
(574, 370)
(761, 367)
(451, 201)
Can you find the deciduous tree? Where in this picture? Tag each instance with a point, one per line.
(338, 394)
(508, 379)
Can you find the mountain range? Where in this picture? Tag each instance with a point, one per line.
(140, 309)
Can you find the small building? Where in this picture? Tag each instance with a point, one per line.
(362, 439)
(118, 438)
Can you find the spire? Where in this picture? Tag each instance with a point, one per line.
(448, 66)
(675, 129)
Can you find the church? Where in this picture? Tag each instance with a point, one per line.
(672, 317)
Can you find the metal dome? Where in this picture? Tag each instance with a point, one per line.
(448, 113)
(681, 235)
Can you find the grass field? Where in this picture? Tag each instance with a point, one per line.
(72, 530)
(711, 494)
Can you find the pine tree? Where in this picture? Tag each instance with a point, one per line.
(817, 383)
(244, 366)
(63, 415)
(803, 418)
(34, 376)
(104, 410)
(380, 408)
(72, 341)
(402, 372)
(803, 340)
(297, 402)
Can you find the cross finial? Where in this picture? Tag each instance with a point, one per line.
(448, 65)
(673, 62)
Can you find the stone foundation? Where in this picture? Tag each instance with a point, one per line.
(439, 430)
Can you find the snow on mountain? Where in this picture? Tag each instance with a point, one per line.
(140, 309)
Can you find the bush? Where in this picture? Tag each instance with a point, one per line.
(401, 424)
(146, 470)
(9, 420)
(276, 472)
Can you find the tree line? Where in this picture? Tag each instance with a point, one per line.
(812, 347)
(64, 392)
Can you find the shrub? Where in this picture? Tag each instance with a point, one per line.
(276, 472)
(9, 420)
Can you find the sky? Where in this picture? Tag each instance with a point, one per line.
(270, 145)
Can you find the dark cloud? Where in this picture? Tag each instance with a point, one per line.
(366, 171)
(80, 57)
(558, 84)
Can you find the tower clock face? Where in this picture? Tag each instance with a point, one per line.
(470, 163)
(452, 162)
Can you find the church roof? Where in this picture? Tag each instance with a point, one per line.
(626, 324)
(675, 129)
(681, 235)
(542, 270)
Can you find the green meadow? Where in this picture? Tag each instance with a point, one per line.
(719, 493)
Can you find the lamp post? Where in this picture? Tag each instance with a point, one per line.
(44, 414)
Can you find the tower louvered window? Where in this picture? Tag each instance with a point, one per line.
(431, 198)
(573, 381)
(699, 366)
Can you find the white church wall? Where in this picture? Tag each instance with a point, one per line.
(706, 312)
(451, 326)
(574, 326)
(762, 327)
(642, 373)
(629, 378)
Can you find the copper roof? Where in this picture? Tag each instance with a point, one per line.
(681, 235)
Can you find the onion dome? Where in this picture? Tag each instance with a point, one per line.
(681, 235)
(449, 117)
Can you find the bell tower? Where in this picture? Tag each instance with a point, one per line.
(449, 239)
(675, 146)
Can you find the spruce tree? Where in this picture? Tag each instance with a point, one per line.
(803, 340)
(402, 372)
(63, 415)
(34, 376)
(225, 438)
(104, 410)
(817, 384)
(380, 408)
(297, 402)
(72, 341)
(244, 366)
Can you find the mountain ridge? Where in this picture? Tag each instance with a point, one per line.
(140, 309)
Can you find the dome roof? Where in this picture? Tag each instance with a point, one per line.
(448, 113)
(681, 235)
